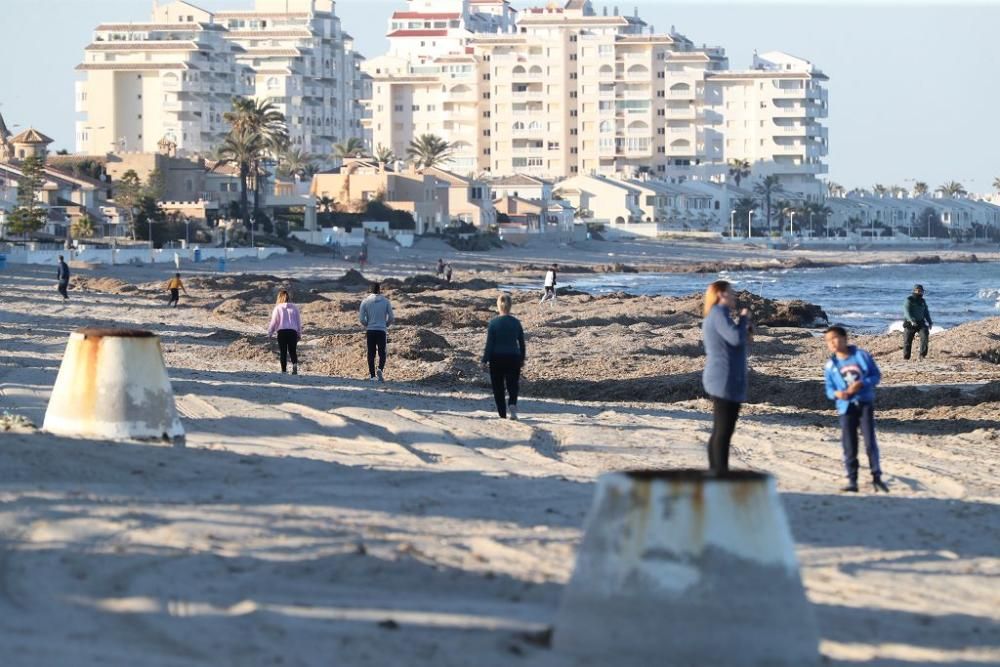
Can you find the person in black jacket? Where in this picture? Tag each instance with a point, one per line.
(917, 320)
(62, 275)
(505, 354)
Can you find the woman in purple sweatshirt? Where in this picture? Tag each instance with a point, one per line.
(285, 321)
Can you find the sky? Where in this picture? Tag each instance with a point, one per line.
(913, 94)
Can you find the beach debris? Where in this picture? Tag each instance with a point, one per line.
(10, 421)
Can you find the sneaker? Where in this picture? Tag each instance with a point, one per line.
(378, 375)
(512, 412)
(283, 371)
(372, 380)
(852, 487)
(880, 485)
(295, 369)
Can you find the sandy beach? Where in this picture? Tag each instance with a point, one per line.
(318, 519)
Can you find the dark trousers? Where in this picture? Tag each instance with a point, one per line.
(908, 335)
(376, 343)
(724, 416)
(288, 343)
(175, 297)
(505, 370)
(63, 286)
(859, 416)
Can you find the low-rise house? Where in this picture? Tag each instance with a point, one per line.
(520, 214)
(466, 199)
(602, 199)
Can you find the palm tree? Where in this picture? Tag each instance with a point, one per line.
(326, 204)
(788, 210)
(766, 188)
(352, 148)
(996, 183)
(835, 189)
(242, 149)
(263, 119)
(296, 163)
(429, 150)
(83, 227)
(952, 189)
(739, 169)
(384, 155)
(897, 190)
(879, 189)
(920, 189)
(814, 212)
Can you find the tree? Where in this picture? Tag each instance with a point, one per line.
(156, 185)
(242, 149)
(766, 189)
(429, 150)
(261, 120)
(897, 190)
(879, 189)
(996, 183)
(83, 227)
(296, 163)
(920, 189)
(384, 155)
(149, 213)
(743, 207)
(326, 204)
(29, 217)
(953, 189)
(352, 148)
(929, 222)
(739, 169)
(815, 214)
(128, 192)
(788, 211)
(835, 189)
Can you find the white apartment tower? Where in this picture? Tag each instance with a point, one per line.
(570, 91)
(174, 77)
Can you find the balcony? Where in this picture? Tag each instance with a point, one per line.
(689, 94)
(685, 113)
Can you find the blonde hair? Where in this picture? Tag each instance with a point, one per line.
(713, 294)
(282, 296)
(504, 303)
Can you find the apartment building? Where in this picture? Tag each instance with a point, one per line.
(571, 92)
(428, 29)
(172, 79)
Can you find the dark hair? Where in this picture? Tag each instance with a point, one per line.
(178, 275)
(374, 288)
(837, 329)
(60, 257)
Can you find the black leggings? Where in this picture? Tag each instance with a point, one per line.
(63, 286)
(175, 297)
(505, 370)
(724, 416)
(376, 343)
(288, 342)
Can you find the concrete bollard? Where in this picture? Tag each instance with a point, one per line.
(113, 384)
(686, 569)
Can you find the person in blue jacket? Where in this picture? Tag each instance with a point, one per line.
(851, 377)
(725, 374)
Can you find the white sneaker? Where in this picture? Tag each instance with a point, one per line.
(379, 376)
(512, 412)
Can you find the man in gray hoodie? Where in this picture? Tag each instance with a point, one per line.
(376, 317)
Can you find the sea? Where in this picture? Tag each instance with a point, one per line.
(866, 298)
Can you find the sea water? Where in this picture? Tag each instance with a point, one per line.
(866, 298)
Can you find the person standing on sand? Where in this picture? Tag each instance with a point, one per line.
(376, 316)
(550, 284)
(287, 323)
(725, 374)
(447, 274)
(440, 268)
(177, 261)
(851, 376)
(917, 319)
(505, 354)
(175, 285)
(62, 275)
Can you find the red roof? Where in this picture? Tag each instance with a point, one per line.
(422, 15)
(418, 33)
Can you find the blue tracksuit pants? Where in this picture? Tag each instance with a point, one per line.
(859, 416)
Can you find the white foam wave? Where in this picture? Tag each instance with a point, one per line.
(898, 326)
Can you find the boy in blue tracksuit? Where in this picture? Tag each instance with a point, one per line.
(851, 378)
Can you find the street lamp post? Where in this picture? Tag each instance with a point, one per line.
(732, 223)
(750, 224)
(791, 223)
(812, 230)
(187, 231)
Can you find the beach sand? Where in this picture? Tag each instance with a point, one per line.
(317, 520)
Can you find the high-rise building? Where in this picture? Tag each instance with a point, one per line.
(172, 79)
(565, 91)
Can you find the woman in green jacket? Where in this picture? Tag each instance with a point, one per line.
(505, 353)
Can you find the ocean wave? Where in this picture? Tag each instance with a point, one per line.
(898, 326)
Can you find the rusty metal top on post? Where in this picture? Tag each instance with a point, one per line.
(97, 332)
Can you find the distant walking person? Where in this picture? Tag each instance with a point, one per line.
(550, 284)
(447, 274)
(917, 319)
(376, 316)
(62, 275)
(440, 267)
(177, 261)
(851, 377)
(725, 374)
(505, 354)
(287, 323)
(175, 285)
